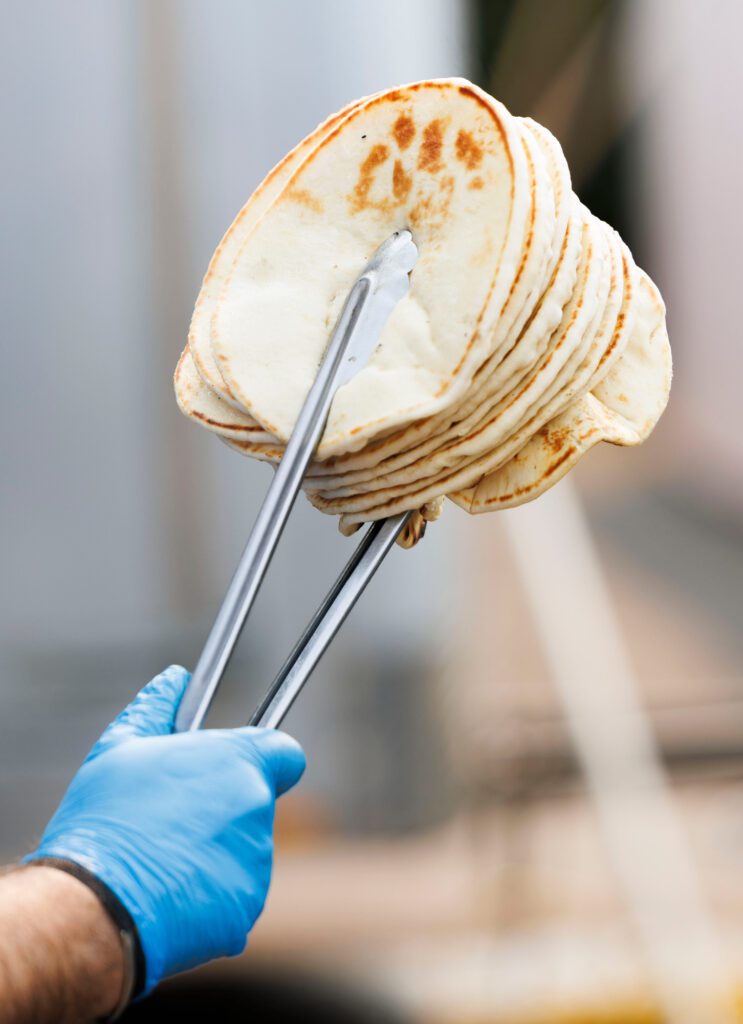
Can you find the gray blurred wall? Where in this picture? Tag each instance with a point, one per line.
(683, 72)
(133, 132)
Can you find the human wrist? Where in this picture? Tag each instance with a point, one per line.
(98, 954)
(65, 962)
(133, 962)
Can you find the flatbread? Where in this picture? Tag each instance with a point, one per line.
(467, 458)
(200, 403)
(438, 156)
(221, 262)
(623, 409)
(527, 336)
(492, 381)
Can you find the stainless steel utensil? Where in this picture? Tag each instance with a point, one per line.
(370, 301)
(327, 620)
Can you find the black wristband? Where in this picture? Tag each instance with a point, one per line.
(122, 919)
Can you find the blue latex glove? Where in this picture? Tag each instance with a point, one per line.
(178, 826)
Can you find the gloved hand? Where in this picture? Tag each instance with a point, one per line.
(178, 826)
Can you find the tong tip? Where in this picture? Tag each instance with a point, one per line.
(393, 261)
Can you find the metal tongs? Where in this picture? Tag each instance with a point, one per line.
(372, 298)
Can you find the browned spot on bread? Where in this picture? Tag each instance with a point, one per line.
(529, 238)
(432, 210)
(401, 182)
(359, 199)
(467, 150)
(555, 439)
(476, 183)
(403, 130)
(421, 211)
(621, 318)
(305, 198)
(467, 90)
(446, 189)
(195, 414)
(623, 398)
(554, 466)
(536, 309)
(429, 156)
(520, 491)
(492, 117)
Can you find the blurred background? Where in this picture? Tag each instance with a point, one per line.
(524, 800)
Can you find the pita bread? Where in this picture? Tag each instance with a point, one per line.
(264, 452)
(623, 409)
(438, 156)
(463, 459)
(224, 256)
(207, 398)
(492, 381)
(577, 376)
(528, 334)
(202, 404)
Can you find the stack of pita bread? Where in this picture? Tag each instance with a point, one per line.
(527, 336)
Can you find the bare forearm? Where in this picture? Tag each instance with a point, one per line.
(60, 954)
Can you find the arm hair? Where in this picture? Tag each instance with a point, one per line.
(61, 960)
